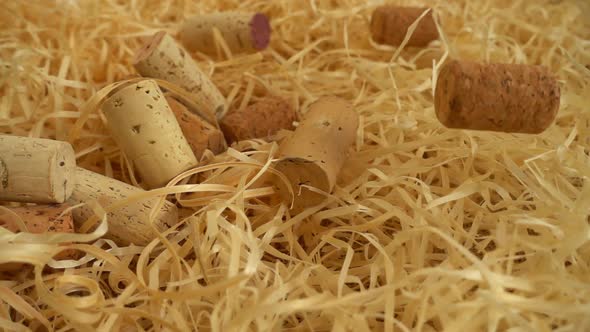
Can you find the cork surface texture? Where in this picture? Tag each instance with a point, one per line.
(496, 97)
(261, 119)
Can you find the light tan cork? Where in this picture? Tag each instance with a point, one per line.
(200, 134)
(35, 170)
(41, 219)
(243, 32)
(316, 151)
(259, 120)
(389, 25)
(129, 224)
(143, 125)
(496, 97)
(163, 58)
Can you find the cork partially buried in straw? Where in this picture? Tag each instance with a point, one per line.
(496, 97)
(127, 224)
(315, 153)
(259, 120)
(390, 24)
(243, 32)
(163, 58)
(39, 219)
(200, 134)
(143, 125)
(35, 170)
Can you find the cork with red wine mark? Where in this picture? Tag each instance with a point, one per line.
(389, 25)
(243, 32)
(200, 134)
(42, 219)
(496, 97)
(259, 120)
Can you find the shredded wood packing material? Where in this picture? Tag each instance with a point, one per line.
(427, 229)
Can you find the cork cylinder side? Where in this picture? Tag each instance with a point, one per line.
(200, 134)
(316, 151)
(35, 170)
(243, 32)
(496, 97)
(128, 224)
(163, 58)
(143, 125)
(259, 120)
(40, 219)
(389, 25)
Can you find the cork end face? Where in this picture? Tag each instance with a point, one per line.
(444, 95)
(149, 47)
(377, 24)
(260, 30)
(300, 173)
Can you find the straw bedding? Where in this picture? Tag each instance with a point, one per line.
(428, 229)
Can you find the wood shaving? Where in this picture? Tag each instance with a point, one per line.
(428, 229)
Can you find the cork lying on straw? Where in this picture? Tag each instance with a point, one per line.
(128, 224)
(314, 154)
(496, 97)
(389, 25)
(200, 134)
(39, 219)
(35, 170)
(143, 125)
(243, 32)
(259, 120)
(163, 58)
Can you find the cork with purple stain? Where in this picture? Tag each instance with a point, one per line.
(242, 32)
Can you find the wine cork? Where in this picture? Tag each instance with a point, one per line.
(243, 32)
(259, 120)
(163, 58)
(200, 134)
(35, 170)
(496, 97)
(128, 224)
(40, 219)
(389, 25)
(316, 151)
(143, 125)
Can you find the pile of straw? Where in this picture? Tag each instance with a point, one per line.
(429, 229)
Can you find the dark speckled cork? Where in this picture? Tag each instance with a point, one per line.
(42, 219)
(259, 120)
(200, 134)
(162, 57)
(144, 127)
(496, 97)
(389, 25)
(242, 32)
